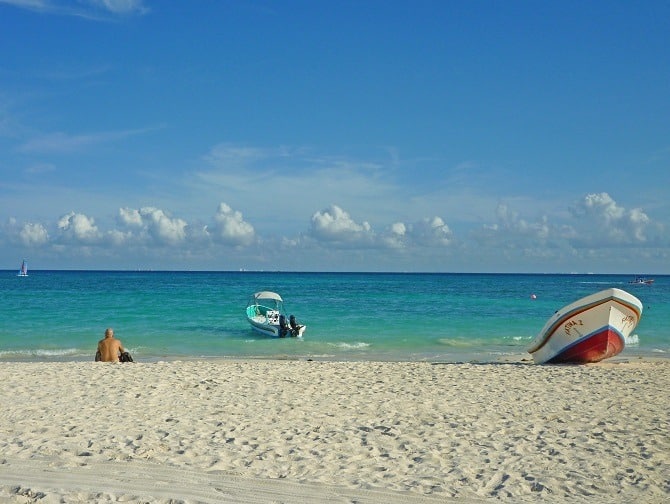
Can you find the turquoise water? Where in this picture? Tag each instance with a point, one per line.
(60, 315)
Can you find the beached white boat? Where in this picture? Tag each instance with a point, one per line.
(266, 315)
(589, 330)
(23, 271)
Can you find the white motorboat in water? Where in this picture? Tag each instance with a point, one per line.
(266, 315)
(641, 281)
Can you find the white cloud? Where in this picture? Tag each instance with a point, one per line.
(83, 8)
(510, 221)
(77, 227)
(64, 143)
(430, 232)
(230, 227)
(121, 6)
(153, 226)
(118, 238)
(585, 234)
(601, 222)
(33, 235)
(130, 217)
(335, 225)
(297, 180)
(29, 4)
(162, 228)
(600, 205)
(398, 229)
(639, 221)
(396, 236)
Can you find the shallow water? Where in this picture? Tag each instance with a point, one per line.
(60, 315)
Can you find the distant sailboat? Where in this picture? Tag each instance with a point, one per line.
(24, 269)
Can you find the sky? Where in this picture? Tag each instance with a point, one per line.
(348, 135)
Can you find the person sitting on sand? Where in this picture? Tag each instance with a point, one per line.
(109, 348)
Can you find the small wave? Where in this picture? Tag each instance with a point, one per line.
(350, 346)
(463, 343)
(39, 352)
(594, 282)
(632, 340)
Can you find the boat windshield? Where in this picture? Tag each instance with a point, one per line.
(269, 300)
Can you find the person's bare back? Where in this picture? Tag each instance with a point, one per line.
(109, 348)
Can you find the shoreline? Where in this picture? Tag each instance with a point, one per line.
(475, 357)
(267, 430)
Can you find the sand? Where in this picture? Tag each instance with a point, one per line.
(343, 432)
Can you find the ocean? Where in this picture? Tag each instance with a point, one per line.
(61, 315)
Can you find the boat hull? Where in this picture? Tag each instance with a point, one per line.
(596, 347)
(642, 282)
(265, 329)
(273, 329)
(591, 329)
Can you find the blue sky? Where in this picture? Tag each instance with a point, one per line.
(446, 136)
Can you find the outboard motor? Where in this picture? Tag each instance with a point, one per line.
(283, 326)
(295, 328)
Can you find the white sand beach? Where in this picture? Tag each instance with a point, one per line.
(349, 432)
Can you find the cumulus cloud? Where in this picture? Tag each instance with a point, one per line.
(594, 222)
(600, 205)
(639, 221)
(154, 225)
(150, 225)
(512, 224)
(130, 217)
(396, 235)
(117, 238)
(230, 227)
(603, 221)
(431, 232)
(428, 232)
(28, 234)
(335, 225)
(77, 227)
(398, 229)
(33, 235)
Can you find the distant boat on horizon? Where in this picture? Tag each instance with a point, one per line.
(638, 280)
(23, 272)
